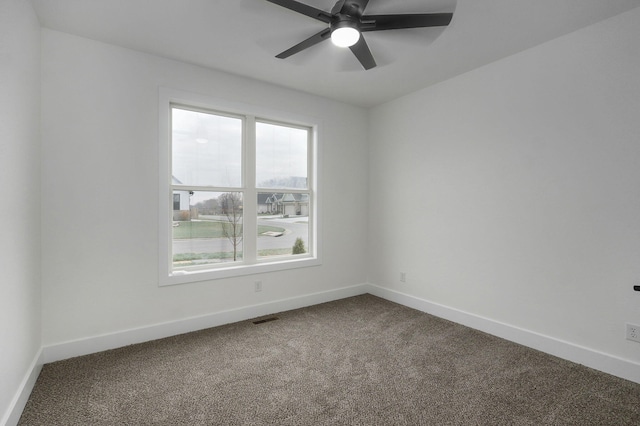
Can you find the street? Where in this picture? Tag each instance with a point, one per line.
(294, 227)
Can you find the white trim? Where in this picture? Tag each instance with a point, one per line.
(241, 269)
(249, 113)
(610, 364)
(250, 198)
(607, 363)
(13, 413)
(119, 339)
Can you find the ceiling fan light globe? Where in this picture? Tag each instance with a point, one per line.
(345, 36)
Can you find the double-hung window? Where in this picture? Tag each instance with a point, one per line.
(238, 191)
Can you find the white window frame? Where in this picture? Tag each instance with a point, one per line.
(251, 114)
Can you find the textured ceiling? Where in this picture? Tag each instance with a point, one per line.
(243, 37)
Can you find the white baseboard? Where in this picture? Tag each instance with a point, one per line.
(119, 339)
(610, 364)
(12, 416)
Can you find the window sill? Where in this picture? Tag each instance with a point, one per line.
(189, 276)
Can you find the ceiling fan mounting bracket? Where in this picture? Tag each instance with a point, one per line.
(350, 8)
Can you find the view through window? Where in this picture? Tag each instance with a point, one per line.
(240, 190)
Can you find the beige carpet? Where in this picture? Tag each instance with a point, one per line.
(357, 361)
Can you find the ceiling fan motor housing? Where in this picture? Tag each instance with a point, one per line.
(342, 21)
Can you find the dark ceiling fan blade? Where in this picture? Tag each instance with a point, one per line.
(362, 52)
(410, 20)
(311, 41)
(302, 8)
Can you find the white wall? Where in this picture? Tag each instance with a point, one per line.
(512, 192)
(20, 199)
(100, 191)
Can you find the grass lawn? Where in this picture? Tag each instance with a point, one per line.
(187, 259)
(214, 229)
(210, 229)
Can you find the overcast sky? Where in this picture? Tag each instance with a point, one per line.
(207, 150)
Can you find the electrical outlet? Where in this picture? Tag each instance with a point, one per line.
(633, 332)
(403, 277)
(257, 286)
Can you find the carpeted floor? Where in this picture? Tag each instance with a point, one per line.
(357, 361)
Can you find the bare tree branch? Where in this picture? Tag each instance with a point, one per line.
(231, 205)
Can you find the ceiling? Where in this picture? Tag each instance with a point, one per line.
(243, 36)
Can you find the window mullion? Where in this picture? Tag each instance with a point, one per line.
(250, 201)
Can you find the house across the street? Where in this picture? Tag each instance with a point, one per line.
(287, 204)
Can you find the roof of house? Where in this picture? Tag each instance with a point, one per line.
(281, 197)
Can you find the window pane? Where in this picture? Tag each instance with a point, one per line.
(176, 201)
(206, 149)
(283, 224)
(207, 228)
(281, 156)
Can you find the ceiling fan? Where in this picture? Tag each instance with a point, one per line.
(347, 21)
